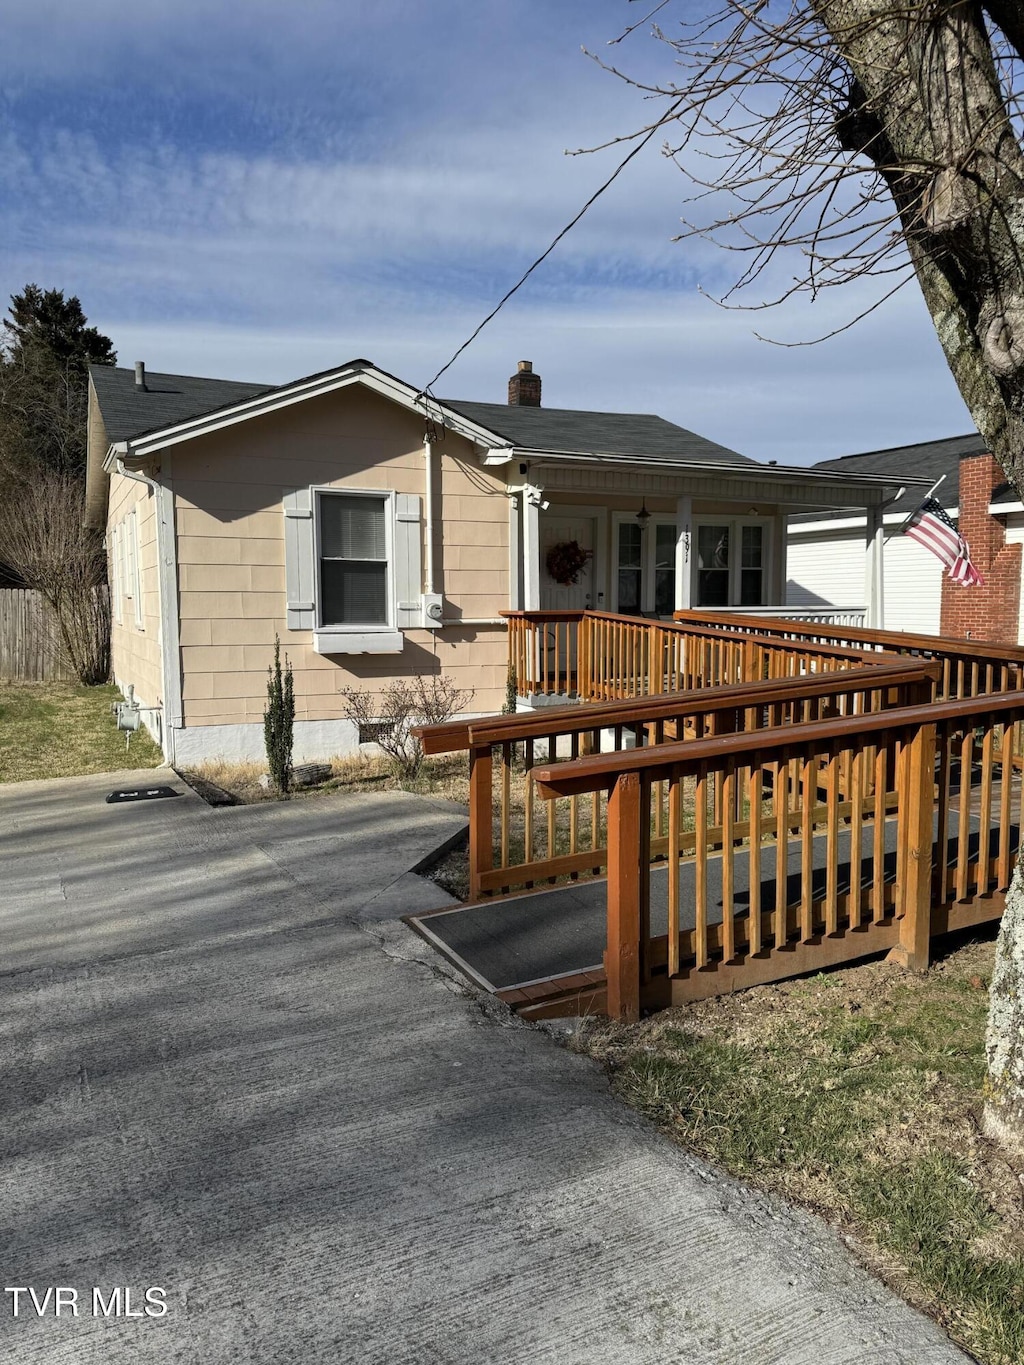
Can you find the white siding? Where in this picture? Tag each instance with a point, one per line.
(829, 569)
(825, 572)
(1015, 536)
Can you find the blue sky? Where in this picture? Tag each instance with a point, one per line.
(260, 191)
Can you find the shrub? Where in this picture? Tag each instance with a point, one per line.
(279, 721)
(511, 692)
(44, 541)
(402, 705)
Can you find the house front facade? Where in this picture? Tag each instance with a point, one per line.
(380, 534)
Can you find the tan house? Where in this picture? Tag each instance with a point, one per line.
(381, 534)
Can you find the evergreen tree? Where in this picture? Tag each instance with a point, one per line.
(46, 347)
(279, 721)
(46, 320)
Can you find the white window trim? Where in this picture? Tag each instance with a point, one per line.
(136, 583)
(356, 638)
(735, 525)
(126, 559)
(114, 552)
(648, 556)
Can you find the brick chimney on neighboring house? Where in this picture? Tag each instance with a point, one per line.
(990, 612)
(524, 387)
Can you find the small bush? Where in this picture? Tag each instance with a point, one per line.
(401, 705)
(279, 721)
(511, 693)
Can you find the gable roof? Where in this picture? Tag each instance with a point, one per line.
(928, 460)
(169, 400)
(142, 421)
(129, 411)
(568, 430)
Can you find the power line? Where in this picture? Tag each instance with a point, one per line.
(426, 391)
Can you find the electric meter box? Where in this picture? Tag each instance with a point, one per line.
(433, 610)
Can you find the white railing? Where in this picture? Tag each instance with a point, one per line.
(824, 615)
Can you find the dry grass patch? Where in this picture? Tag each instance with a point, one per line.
(61, 729)
(446, 777)
(856, 1093)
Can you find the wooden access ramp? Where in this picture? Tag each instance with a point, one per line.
(754, 753)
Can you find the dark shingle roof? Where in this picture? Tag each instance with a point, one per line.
(606, 433)
(926, 460)
(167, 399)
(129, 412)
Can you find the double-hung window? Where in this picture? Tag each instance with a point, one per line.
(354, 561)
(352, 567)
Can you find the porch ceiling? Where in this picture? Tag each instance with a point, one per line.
(783, 485)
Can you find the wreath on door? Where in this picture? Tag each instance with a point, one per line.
(566, 561)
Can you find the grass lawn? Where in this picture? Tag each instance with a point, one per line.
(856, 1093)
(59, 729)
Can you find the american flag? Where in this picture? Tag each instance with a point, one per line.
(931, 527)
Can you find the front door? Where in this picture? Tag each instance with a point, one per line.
(558, 530)
(559, 640)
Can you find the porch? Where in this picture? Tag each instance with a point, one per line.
(736, 800)
(645, 539)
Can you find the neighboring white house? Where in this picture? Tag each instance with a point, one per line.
(825, 561)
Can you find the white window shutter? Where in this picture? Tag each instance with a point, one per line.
(408, 562)
(298, 558)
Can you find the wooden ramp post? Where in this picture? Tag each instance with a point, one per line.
(481, 838)
(628, 872)
(917, 806)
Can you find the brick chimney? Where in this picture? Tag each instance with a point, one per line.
(524, 387)
(989, 612)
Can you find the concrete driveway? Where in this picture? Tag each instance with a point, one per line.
(233, 1079)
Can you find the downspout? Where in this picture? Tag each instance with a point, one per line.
(167, 594)
(428, 498)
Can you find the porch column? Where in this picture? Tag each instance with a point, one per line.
(515, 552)
(684, 537)
(874, 569)
(778, 552)
(531, 548)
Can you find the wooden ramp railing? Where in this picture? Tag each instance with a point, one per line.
(516, 843)
(598, 656)
(970, 668)
(797, 875)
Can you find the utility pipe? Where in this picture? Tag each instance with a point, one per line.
(428, 459)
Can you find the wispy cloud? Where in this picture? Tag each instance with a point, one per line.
(263, 193)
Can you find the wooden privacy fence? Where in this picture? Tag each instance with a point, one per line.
(970, 668)
(800, 847)
(29, 640)
(599, 656)
(516, 842)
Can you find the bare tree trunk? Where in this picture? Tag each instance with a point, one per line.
(927, 96)
(1004, 1039)
(850, 129)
